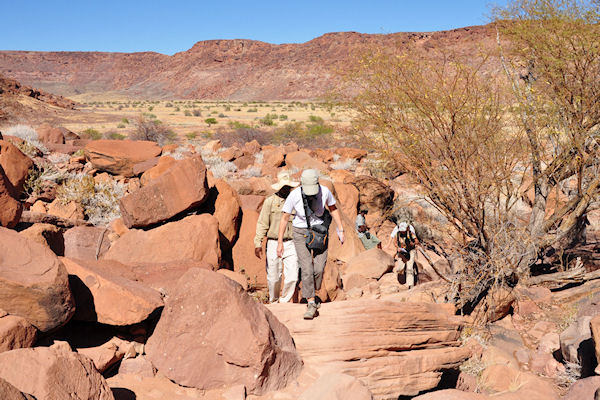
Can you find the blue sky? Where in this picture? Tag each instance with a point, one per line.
(171, 26)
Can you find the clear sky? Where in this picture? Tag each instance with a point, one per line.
(172, 26)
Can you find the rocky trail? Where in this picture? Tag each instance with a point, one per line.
(127, 271)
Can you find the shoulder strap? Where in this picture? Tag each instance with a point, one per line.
(306, 208)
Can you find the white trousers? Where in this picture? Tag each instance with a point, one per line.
(408, 267)
(288, 264)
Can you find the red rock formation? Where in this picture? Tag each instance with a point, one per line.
(232, 69)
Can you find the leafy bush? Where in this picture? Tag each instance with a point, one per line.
(115, 136)
(39, 174)
(153, 130)
(210, 121)
(238, 125)
(187, 113)
(252, 110)
(316, 119)
(222, 115)
(283, 117)
(191, 135)
(241, 136)
(150, 108)
(197, 112)
(121, 126)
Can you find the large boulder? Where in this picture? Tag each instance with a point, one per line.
(16, 333)
(244, 260)
(15, 164)
(302, 160)
(577, 345)
(53, 373)
(50, 135)
(583, 389)
(181, 187)
(347, 197)
(336, 386)
(194, 238)
(10, 209)
(86, 242)
(33, 282)
(394, 347)
(370, 264)
(103, 295)
(9, 392)
(163, 165)
(47, 235)
(119, 156)
(212, 334)
(224, 203)
(374, 194)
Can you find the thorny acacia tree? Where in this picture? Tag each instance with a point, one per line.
(472, 150)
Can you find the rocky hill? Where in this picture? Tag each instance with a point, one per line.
(18, 101)
(226, 69)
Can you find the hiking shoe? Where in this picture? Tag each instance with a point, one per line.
(311, 311)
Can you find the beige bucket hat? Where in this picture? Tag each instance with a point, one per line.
(284, 179)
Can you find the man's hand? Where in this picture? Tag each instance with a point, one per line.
(258, 252)
(341, 236)
(280, 249)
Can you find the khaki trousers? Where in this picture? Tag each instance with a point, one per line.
(288, 264)
(311, 263)
(408, 267)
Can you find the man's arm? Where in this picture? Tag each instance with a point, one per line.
(262, 227)
(285, 219)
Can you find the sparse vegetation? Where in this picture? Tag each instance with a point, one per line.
(153, 130)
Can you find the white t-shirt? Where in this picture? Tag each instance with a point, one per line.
(294, 203)
(395, 231)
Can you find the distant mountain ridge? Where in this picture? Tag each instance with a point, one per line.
(237, 69)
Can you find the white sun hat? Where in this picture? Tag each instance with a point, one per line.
(284, 179)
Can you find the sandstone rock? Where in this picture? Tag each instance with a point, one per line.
(451, 394)
(342, 176)
(352, 153)
(47, 235)
(254, 186)
(53, 374)
(224, 203)
(10, 209)
(273, 158)
(352, 244)
(16, 333)
(212, 146)
(71, 210)
(118, 227)
(374, 194)
(33, 282)
(252, 202)
(290, 148)
(583, 389)
(371, 264)
(549, 343)
(104, 296)
(9, 392)
(394, 347)
(39, 206)
(235, 276)
(595, 329)
(244, 161)
(15, 164)
(577, 346)
(119, 156)
(337, 386)
(163, 165)
(142, 167)
(251, 147)
(194, 238)
(86, 242)
(324, 155)
(105, 355)
(347, 196)
(237, 392)
(48, 134)
(244, 260)
(211, 333)
(230, 154)
(180, 188)
(138, 366)
(302, 160)
(508, 383)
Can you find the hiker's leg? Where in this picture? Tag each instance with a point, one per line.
(410, 269)
(290, 271)
(273, 271)
(305, 263)
(319, 260)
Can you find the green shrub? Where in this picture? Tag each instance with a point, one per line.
(283, 117)
(197, 112)
(210, 121)
(116, 136)
(150, 108)
(191, 135)
(91, 133)
(252, 110)
(120, 126)
(187, 113)
(124, 121)
(153, 130)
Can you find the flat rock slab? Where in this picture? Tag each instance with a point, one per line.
(394, 347)
(120, 156)
(103, 295)
(16, 333)
(33, 282)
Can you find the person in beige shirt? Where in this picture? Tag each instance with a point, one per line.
(268, 225)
